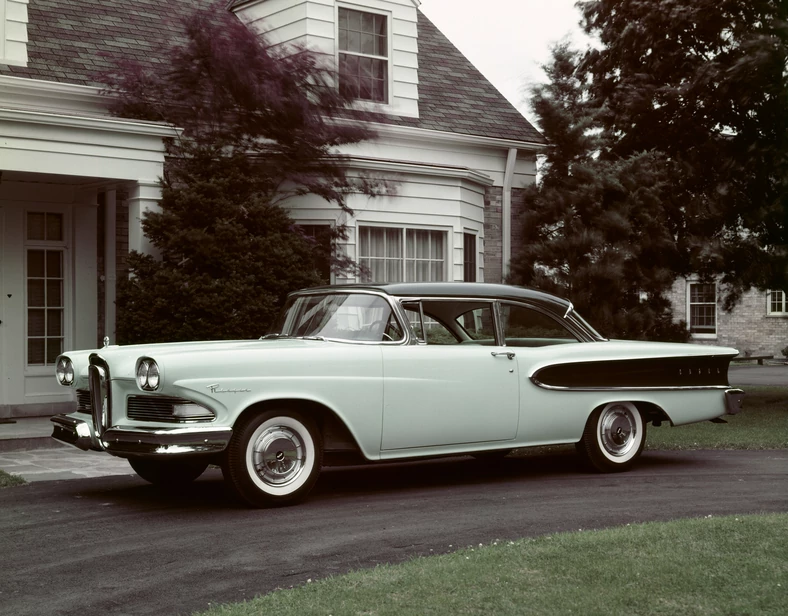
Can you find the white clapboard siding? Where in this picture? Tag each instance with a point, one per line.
(13, 32)
(312, 23)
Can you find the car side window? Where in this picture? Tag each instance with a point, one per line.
(526, 327)
(443, 322)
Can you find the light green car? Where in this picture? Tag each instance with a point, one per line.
(386, 372)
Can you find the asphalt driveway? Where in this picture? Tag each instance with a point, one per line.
(116, 545)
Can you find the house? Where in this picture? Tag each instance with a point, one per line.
(757, 326)
(75, 181)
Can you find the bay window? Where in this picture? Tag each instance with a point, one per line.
(388, 254)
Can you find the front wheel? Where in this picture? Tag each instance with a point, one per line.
(613, 438)
(274, 458)
(169, 473)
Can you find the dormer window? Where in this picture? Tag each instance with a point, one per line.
(363, 55)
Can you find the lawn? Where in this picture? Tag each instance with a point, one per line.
(763, 424)
(7, 480)
(706, 566)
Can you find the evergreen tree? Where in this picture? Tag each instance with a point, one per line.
(705, 83)
(594, 229)
(260, 124)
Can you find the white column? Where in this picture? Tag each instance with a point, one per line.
(85, 270)
(110, 262)
(144, 196)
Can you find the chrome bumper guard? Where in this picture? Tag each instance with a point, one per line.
(125, 441)
(734, 400)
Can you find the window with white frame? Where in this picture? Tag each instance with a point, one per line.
(703, 308)
(45, 287)
(363, 55)
(776, 303)
(389, 254)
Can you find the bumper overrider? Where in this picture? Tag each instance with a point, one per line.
(98, 434)
(134, 441)
(734, 400)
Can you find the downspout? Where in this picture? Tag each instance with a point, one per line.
(506, 213)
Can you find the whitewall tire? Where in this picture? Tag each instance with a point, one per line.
(274, 458)
(613, 438)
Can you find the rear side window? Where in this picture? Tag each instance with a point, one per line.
(526, 327)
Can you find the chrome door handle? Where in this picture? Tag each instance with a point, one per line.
(508, 354)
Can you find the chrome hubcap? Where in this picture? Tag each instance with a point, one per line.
(279, 455)
(618, 430)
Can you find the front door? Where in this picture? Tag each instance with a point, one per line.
(443, 395)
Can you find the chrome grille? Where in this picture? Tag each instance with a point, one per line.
(160, 408)
(83, 401)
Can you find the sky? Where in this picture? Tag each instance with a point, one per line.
(507, 40)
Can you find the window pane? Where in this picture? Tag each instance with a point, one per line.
(353, 41)
(36, 223)
(35, 323)
(54, 323)
(54, 348)
(36, 294)
(35, 351)
(54, 259)
(54, 293)
(54, 227)
(394, 243)
(35, 263)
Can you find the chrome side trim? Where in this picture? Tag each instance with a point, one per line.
(538, 383)
(152, 442)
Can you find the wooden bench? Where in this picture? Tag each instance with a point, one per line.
(758, 358)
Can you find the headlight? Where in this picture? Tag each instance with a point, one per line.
(65, 371)
(148, 376)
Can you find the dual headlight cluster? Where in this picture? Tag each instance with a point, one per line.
(65, 371)
(148, 375)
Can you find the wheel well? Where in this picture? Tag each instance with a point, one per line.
(336, 436)
(652, 413)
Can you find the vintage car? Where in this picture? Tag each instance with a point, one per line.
(386, 372)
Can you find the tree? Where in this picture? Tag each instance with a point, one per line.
(593, 228)
(260, 124)
(705, 83)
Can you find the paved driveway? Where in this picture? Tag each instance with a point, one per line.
(115, 545)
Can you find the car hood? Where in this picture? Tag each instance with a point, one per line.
(122, 359)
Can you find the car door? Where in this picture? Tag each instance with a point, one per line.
(458, 387)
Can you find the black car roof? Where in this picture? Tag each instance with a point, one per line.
(461, 290)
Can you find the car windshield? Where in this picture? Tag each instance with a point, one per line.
(338, 316)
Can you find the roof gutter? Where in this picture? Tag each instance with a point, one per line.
(506, 213)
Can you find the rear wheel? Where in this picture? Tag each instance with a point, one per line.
(613, 438)
(274, 458)
(168, 472)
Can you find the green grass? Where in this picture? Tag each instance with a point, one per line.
(707, 566)
(763, 424)
(7, 480)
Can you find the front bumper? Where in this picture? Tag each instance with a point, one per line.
(126, 441)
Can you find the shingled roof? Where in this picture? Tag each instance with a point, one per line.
(76, 41)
